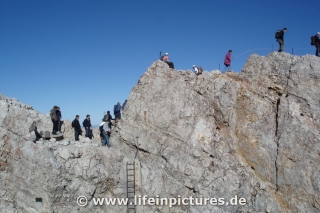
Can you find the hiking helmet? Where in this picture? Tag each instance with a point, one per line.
(318, 33)
(193, 65)
(166, 54)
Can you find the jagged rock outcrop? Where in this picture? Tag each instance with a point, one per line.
(254, 134)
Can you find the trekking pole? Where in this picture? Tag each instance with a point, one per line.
(160, 53)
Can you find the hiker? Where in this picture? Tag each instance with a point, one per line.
(166, 59)
(317, 44)
(279, 36)
(54, 120)
(124, 104)
(104, 133)
(197, 70)
(88, 127)
(227, 62)
(109, 119)
(59, 122)
(117, 111)
(77, 127)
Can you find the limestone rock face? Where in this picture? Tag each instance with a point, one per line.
(250, 136)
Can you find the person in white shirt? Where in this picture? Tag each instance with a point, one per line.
(195, 69)
(105, 130)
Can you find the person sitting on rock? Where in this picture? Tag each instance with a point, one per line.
(166, 59)
(33, 127)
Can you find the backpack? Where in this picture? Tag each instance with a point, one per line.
(72, 123)
(200, 70)
(313, 40)
(277, 35)
(116, 108)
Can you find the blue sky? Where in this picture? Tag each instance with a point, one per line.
(85, 56)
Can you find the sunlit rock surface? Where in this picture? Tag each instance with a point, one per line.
(253, 134)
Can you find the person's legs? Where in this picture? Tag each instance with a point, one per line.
(108, 140)
(226, 68)
(104, 141)
(76, 135)
(53, 126)
(59, 126)
(280, 45)
(317, 50)
(87, 132)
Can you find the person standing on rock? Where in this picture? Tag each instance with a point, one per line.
(124, 104)
(54, 120)
(109, 119)
(117, 111)
(77, 127)
(87, 125)
(317, 44)
(59, 116)
(279, 36)
(227, 62)
(195, 69)
(105, 130)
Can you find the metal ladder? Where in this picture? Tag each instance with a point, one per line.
(131, 190)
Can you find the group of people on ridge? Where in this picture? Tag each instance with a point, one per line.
(315, 40)
(104, 127)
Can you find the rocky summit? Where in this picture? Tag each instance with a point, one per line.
(213, 143)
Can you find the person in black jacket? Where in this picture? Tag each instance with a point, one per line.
(77, 128)
(87, 125)
(59, 122)
(317, 44)
(109, 119)
(280, 39)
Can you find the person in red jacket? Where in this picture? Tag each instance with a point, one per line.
(227, 61)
